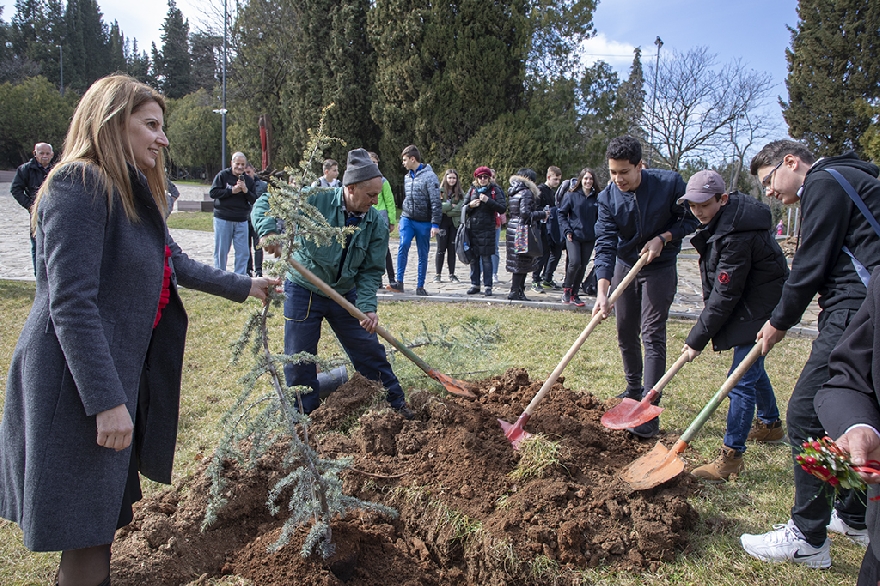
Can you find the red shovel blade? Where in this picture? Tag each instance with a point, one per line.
(631, 413)
(514, 431)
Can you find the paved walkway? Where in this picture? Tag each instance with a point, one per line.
(15, 263)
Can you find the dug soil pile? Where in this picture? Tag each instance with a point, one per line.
(464, 518)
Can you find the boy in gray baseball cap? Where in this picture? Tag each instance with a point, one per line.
(743, 270)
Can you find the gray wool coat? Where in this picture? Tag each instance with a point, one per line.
(87, 342)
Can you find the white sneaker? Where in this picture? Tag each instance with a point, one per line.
(787, 543)
(838, 525)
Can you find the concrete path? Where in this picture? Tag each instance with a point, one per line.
(15, 263)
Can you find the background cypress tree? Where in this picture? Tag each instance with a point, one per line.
(832, 67)
(176, 70)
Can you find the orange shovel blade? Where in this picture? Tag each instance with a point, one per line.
(452, 386)
(654, 468)
(630, 413)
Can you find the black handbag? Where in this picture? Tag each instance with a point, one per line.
(463, 249)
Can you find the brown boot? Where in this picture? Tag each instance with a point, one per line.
(729, 462)
(766, 432)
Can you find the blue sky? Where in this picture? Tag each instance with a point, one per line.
(751, 30)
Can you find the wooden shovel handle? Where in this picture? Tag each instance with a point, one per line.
(673, 370)
(618, 291)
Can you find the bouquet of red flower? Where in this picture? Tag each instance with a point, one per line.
(825, 460)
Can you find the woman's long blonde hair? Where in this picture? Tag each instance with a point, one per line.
(98, 140)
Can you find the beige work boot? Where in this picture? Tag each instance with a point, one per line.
(766, 432)
(728, 463)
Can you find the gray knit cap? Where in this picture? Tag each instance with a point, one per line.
(360, 167)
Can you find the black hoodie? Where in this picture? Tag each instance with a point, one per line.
(743, 270)
(830, 221)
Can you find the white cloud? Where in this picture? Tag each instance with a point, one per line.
(600, 48)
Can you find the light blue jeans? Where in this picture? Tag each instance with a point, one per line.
(228, 233)
(421, 231)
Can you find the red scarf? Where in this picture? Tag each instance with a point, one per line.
(165, 294)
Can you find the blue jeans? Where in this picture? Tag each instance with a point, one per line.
(753, 390)
(304, 312)
(484, 263)
(228, 233)
(422, 232)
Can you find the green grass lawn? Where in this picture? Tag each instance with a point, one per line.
(203, 221)
(532, 339)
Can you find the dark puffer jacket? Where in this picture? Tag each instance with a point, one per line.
(481, 219)
(522, 204)
(743, 271)
(578, 214)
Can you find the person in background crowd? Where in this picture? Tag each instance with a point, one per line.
(542, 278)
(420, 218)
(27, 181)
(233, 194)
(577, 220)
(330, 177)
(451, 196)
(255, 263)
(388, 211)
(522, 196)
(482, 203)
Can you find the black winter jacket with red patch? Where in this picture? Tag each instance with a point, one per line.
(743, 271)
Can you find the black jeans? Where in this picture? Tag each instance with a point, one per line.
(445, 246)
(578, 257)
(642, 311)
(812, 497)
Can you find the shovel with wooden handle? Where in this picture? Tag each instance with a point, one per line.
(660, 464)
(514, 431)
(452, 386)
(632, 413)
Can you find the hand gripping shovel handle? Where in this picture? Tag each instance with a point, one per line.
(448, 382)
(551, 380)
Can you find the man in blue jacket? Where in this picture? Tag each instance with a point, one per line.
(639, 213)
(420, 219)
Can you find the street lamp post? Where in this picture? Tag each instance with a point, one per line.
(61, 67)
(659, 44)
(223, 109)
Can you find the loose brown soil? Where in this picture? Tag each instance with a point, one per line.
(463, 518)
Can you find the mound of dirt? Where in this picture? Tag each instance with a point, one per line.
(464, 517)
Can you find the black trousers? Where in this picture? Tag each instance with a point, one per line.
(812, 497)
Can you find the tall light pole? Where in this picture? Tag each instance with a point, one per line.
(659, 44)
(61, 65)
(223, 109)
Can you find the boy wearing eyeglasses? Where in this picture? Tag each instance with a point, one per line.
(838, 250)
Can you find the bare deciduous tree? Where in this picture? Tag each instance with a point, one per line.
(698, 102)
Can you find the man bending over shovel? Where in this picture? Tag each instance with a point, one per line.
(743, 270)
(354, 271)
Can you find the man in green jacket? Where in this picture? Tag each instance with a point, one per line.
(354, 271)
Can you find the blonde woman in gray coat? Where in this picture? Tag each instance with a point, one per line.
(94, 384)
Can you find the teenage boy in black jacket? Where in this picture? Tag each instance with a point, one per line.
(743, 270)
(639, 213)
(832, 229)
(849, 407)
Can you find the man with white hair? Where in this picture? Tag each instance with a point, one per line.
(234, 194)
(28, 180)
